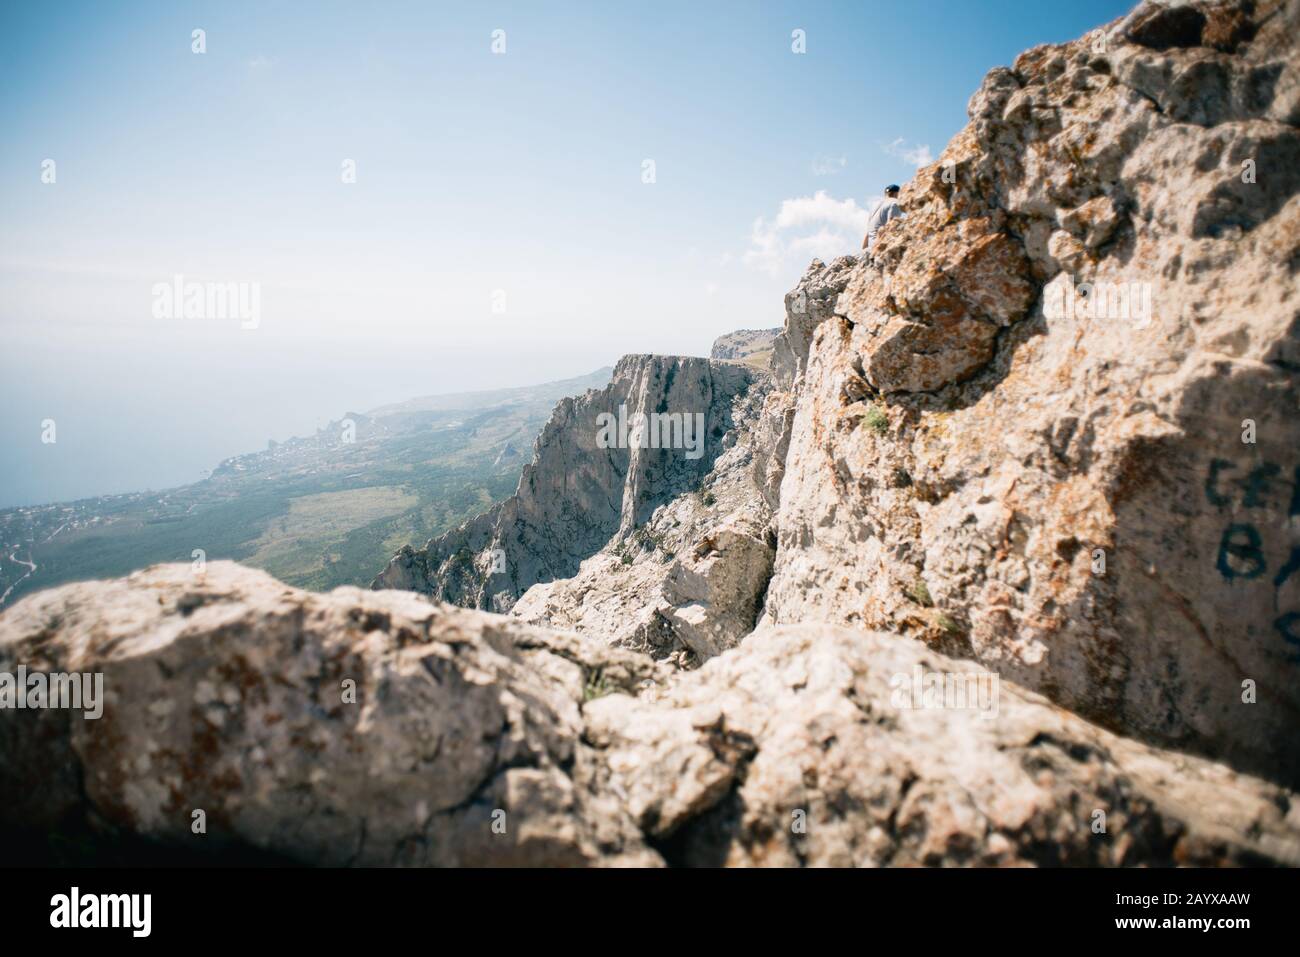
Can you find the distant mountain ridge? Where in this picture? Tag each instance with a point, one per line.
(488, 398)
(751, 346)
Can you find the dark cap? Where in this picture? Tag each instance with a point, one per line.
(891, 188)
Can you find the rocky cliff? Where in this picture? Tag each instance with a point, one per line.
(602, 464)
(997, 563)
(688, 582)
(1053, 426)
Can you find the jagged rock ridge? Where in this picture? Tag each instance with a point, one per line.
(578, 491)
(687, 583)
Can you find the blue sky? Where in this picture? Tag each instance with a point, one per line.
(475, 173)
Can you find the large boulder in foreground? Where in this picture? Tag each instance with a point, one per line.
(228, 693)
(829, 746)
(474, 739)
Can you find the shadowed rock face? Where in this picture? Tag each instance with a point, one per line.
(575, 494)
(474, 739)
(1019, 434)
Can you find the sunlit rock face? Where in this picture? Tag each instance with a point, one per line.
(1054, 424)
(593, 474)
(363, 728)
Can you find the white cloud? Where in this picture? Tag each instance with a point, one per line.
(260, 64)
(917, 155)
(829, 165)
(806, 227)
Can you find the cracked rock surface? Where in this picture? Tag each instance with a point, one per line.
(224, 693)
(1052, 425)
(227, 693)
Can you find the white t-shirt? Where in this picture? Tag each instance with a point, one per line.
(886, 208)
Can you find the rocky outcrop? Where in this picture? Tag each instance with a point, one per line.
(1053, 425)
(359, 728)
(1049, 423)
(689, 582)
(816, 745)
(744, 344)
(594, 474)
(377, 728)
(807, 306)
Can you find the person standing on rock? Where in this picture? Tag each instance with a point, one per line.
(886, 208)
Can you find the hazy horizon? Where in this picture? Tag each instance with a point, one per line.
(534, 193)
(189, 454)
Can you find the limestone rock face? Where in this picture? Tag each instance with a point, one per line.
(228, 693)
(584, 484)
(689, 582)
(1053, 424)
(473, 739)
(810, 745)
(807, 306)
